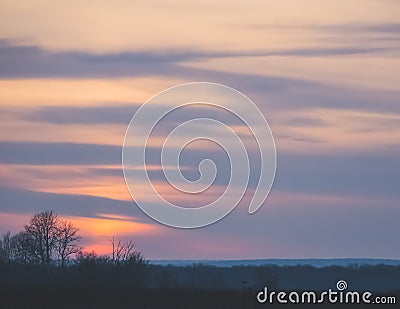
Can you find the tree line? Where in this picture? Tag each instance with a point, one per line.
(50, 240)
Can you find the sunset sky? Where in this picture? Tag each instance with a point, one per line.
(324, 73)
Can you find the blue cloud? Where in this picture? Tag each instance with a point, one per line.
(18, 61)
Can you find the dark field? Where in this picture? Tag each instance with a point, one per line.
(97, 285)
(52, 296)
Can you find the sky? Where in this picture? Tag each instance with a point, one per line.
(325, 74)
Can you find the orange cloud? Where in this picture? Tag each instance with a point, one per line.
(109, 227)
(65, 180)
(100, 230)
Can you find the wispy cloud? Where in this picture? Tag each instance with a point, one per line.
(26, 201)
(306, 122)
(18, 61)
(59, 153)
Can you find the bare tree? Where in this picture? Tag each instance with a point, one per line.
(67, 240)
(18, 248)
(44, 239)
(124, 253)
(43, 231)
(5, 247)
(23, 248)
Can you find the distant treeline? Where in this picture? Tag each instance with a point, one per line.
(358, 277)
(90, 269)
(96, 282)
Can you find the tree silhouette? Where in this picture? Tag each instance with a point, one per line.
(67, 240)
(44, 240)
(43, 231)
(49, 240)
(5, 247)
(23, 249)
(124, 253)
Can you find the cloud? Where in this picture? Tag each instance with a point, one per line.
(373, 174)
(17, 61)
(344, 28)
(306, 140)
(322, 96)
(114, 113)
(32, 153)
(269, 91)
(381, 28)
(305, 122)
(25, 201)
